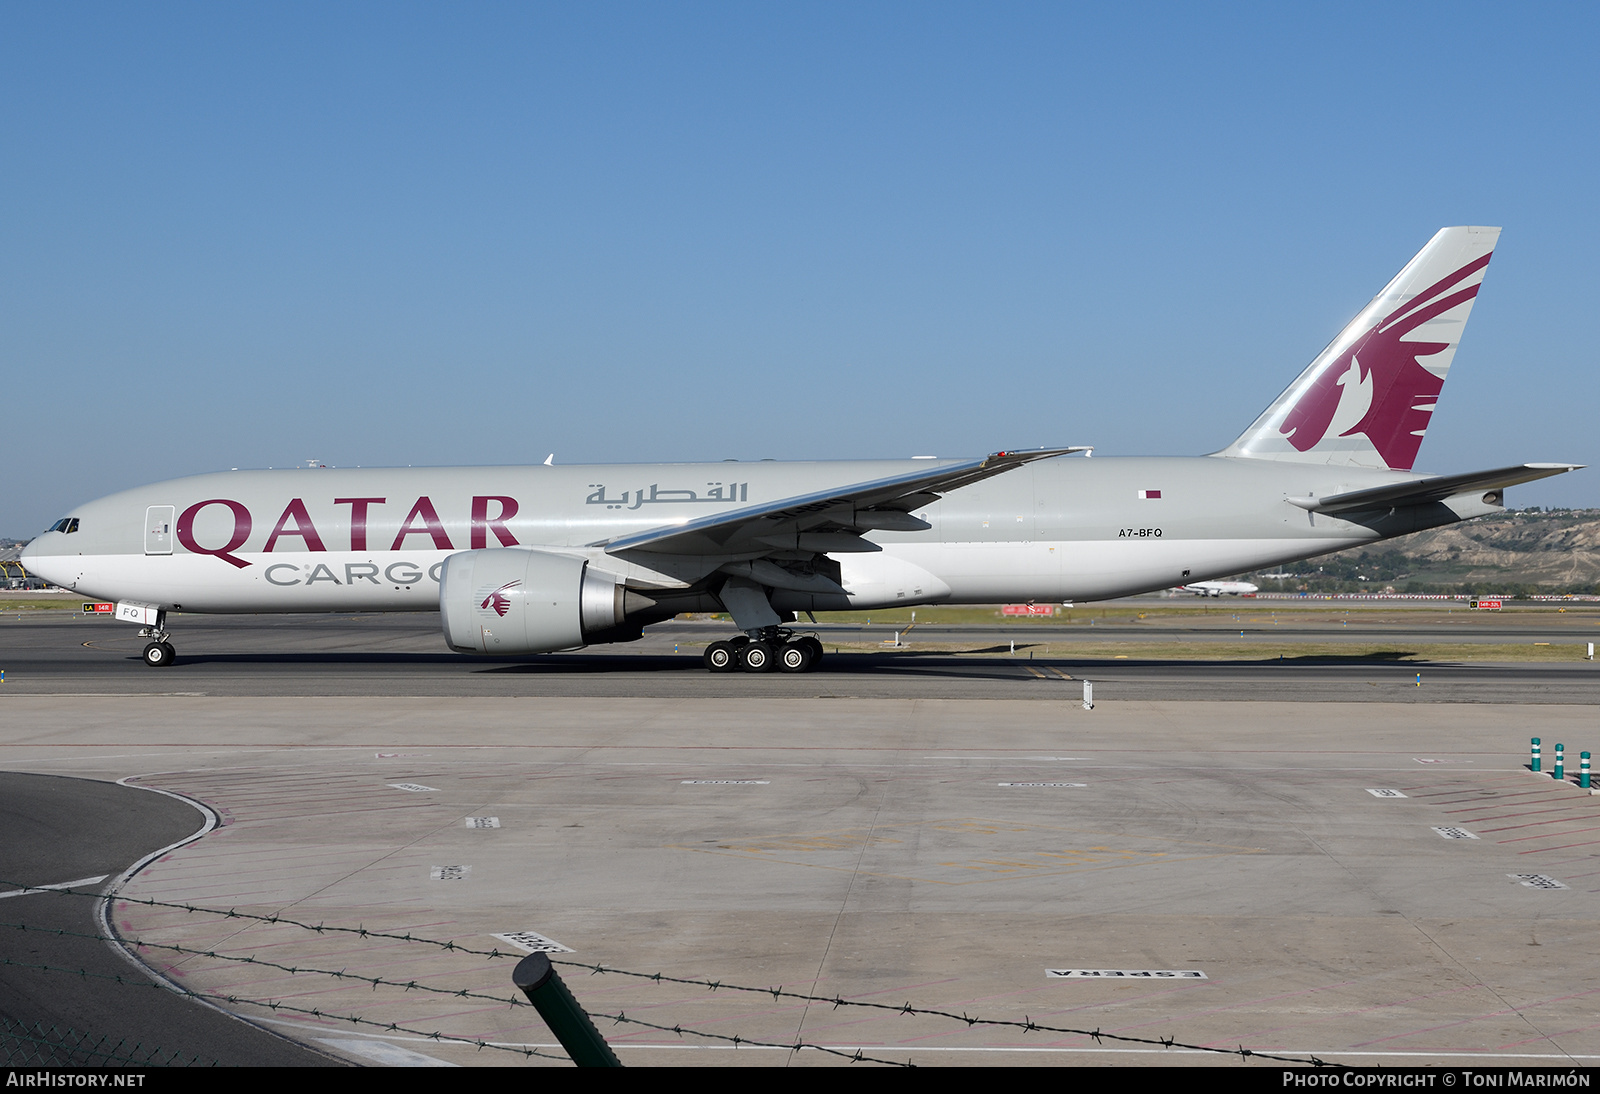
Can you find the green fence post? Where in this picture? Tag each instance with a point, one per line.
(542, 985)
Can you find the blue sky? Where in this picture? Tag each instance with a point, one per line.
(249, 235)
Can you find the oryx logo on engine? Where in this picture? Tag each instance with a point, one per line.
(497, 601)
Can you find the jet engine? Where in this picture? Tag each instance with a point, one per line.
(508, 600)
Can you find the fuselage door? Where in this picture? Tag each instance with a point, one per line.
(158, 529)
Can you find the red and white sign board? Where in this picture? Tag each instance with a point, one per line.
(1028, 609)
(100, 607)
(1490, 605)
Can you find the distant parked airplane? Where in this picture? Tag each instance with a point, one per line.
(523, 560)
(1217, 588)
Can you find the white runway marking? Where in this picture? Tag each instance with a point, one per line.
(532, 942)
(382, 1052)
(58, 885)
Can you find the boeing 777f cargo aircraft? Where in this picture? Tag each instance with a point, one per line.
(523, 560)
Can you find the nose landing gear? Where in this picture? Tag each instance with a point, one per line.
(159, 653)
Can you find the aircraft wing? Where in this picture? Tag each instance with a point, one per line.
(788, 523)
(1432, 489)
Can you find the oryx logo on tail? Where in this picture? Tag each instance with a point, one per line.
(1367, 399)
(1379, 385)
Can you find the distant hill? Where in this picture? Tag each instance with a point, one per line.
(1526, 550)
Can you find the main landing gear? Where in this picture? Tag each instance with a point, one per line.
(767, 649)
(159, 653)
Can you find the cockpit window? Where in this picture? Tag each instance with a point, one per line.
(65, 524)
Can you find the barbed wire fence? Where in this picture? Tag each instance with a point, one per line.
(777, 993)
(38, 1045)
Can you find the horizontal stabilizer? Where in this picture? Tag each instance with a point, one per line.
(1432, 489)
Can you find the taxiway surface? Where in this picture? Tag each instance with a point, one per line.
(952, 836)
(66, 995)
(57, 653)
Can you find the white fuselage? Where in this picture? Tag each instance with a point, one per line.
(376, 539)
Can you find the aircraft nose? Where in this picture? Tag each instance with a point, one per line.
(35, 558)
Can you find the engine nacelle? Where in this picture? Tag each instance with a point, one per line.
(507, 600)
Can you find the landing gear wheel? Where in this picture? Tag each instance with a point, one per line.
(796, 656)
(158, 655)
(756, 657)
(719, 657)
(816, 647)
